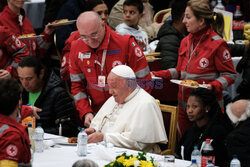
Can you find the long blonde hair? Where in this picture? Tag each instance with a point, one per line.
(202, 9)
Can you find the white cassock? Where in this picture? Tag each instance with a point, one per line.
(136, 124)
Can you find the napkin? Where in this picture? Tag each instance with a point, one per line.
(104, 153)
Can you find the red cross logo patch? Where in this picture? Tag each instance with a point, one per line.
(138, 52)
(204, 62)
(12, 150)
(17, 41)
(226, 55)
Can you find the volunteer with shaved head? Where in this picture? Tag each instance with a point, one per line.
(93, 55)
(131, 118)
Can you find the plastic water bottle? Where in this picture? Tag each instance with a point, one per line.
(82, 141)
(219, 5)
(193, 164)
(207, 153)
(210, 163)
(196, 154)
(38, 136)
(235, 162)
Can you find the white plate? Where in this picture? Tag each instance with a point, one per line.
(63, 141)
(62, 24)
(152, 60)
(176, 81)
(33, 37)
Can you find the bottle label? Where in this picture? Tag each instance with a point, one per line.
(238, 24)
(204, 160)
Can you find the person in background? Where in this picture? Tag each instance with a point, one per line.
(12, 50)
(204, 112)
(203, 56)
(243, 67)
(51, 10)
(13, 16)
(170, 35)
(238, 140)
(92, 57)
(146, 22)
(132, 13)
(70, 10)
(85, 163)
(101, 9)
(44, 89)
(14, 139)
(128, 117)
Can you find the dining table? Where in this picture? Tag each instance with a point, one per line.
(65, 154)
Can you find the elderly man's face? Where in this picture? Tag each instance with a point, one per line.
(92, 34)
(118, 88)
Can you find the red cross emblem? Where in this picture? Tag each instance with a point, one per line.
(226, 54)
(12, 150)
(204, 63)
(138, 52)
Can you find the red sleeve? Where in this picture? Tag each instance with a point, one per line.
(16, 50)
(224, 66)
(26, 111)
(138, 62)
(11, 147)
(65, 74)
(78, 86)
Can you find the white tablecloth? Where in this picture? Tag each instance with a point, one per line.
(65, 156)
(35, 10)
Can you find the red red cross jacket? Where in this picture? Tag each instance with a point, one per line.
(85, 68)
(12, 50)
(19, 25)
(209, 62)
(14, 141)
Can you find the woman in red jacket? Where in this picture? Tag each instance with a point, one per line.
(203, 56)
(13, 16)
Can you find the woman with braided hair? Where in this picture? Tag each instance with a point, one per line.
(205, 113)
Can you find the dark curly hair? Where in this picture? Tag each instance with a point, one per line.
(10, 94)
(207, 98)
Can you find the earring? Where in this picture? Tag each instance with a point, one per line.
(206, 111)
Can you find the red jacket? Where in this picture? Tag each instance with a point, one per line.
(37, 46)
(14, 141)
(65, 55)
(210, 63)
(85, 69)
(12, 50)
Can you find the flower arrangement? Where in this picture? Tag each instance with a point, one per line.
(139, 160)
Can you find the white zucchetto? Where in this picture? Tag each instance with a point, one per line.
(124, 71)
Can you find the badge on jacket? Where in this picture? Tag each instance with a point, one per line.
(82, 56)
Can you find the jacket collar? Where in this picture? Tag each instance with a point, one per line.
(205, 32)
(13, 16)
(11, 122)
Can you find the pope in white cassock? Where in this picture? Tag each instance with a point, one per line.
(130, 118)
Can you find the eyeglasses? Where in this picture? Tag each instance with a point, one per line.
(92, 36)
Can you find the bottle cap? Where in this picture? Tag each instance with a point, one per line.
(238, 7)
(235, 156)
(195, 147)
(38, 124)
(208, 140)
(193, 160)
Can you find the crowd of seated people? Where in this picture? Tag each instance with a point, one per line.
(110, 79)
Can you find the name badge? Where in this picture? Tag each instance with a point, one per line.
(101, 81)
(82, 56)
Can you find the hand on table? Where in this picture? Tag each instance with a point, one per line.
(4, 74)
(95, 137)
(88, 118)
(90, 131)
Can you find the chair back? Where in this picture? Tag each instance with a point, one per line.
(162, 15)
(171, 129)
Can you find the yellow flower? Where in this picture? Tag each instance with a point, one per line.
(120, 159)
(130, 161)
(146, 163)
